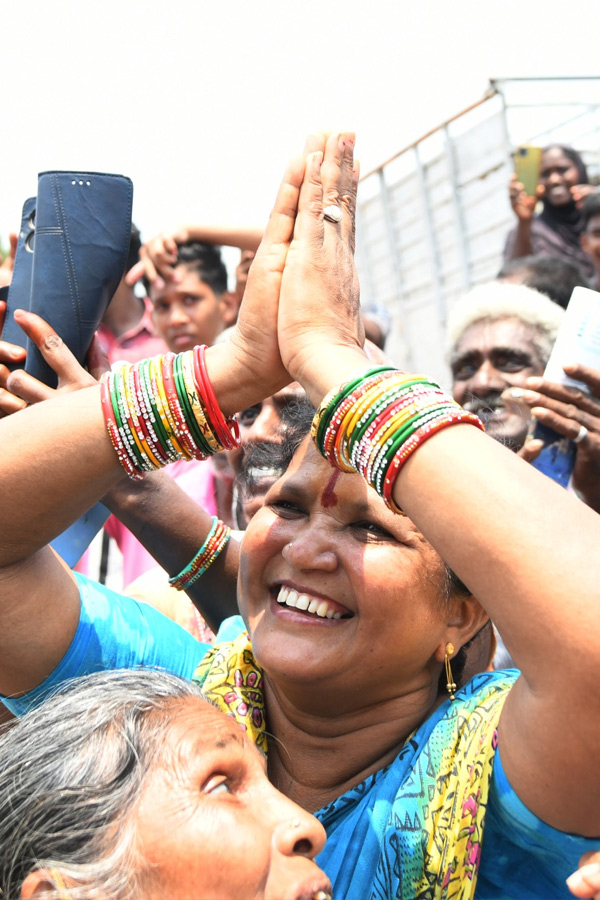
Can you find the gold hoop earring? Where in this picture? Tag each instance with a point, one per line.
(450, 685)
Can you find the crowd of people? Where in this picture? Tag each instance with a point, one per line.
(354, 651)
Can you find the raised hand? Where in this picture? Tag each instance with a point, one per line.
(8, 263)
(158, 257)
(253, 348)
(319, 312)
(523, 204)
(576, 415)
(241, 272)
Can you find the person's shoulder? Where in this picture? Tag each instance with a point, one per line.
(523, 857)
(130, 632)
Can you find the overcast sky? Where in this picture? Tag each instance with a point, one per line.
(202, 103)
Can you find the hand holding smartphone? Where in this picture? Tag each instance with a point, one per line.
(578, 340)
(527, 168)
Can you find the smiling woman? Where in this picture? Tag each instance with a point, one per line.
(556, 231)
(344, 673)
(336, 557)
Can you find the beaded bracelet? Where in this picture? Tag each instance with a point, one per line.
(164, 409)
(216, 541)
(373, 423)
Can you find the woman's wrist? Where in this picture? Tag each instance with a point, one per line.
(328, 369)
(238, 380)
(522, 242)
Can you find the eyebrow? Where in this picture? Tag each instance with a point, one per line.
(222, 741)
(508, 350)
(465, 354)
(511, 350)
(206, 741)
(299, 491)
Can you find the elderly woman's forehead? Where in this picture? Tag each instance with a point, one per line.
(198, 721)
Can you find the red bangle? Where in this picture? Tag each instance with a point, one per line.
(454, 416)
(226, 430)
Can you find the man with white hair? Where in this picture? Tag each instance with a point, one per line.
(498, 335)
(499, 338)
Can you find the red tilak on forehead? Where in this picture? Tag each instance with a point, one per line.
(328, 497)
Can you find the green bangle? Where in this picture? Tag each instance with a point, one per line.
(159, 429)
(119, 395)
(179, 376)
(334, 399)
(381, 466)
(405, 387)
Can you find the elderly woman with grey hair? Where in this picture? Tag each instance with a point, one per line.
(106, 789)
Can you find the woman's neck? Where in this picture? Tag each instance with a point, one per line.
(314, 758)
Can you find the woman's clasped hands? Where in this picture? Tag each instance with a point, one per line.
(302, 295)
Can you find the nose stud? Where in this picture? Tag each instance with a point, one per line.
(321, 895)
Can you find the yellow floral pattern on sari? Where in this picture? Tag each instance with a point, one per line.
(455, 788)
(233, 683)
(431, 845)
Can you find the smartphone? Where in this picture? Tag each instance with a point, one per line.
(527, 168)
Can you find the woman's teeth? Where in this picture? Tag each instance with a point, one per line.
(289, 597)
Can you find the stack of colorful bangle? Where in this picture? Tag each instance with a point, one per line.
(215, 543)
(375, 422)
(163, 409)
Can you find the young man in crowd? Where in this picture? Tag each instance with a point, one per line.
(194, 306)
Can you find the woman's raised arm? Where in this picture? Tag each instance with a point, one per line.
(528, 550)
(58, 460)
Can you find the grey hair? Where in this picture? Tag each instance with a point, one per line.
(71, 773)
(503, 300)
